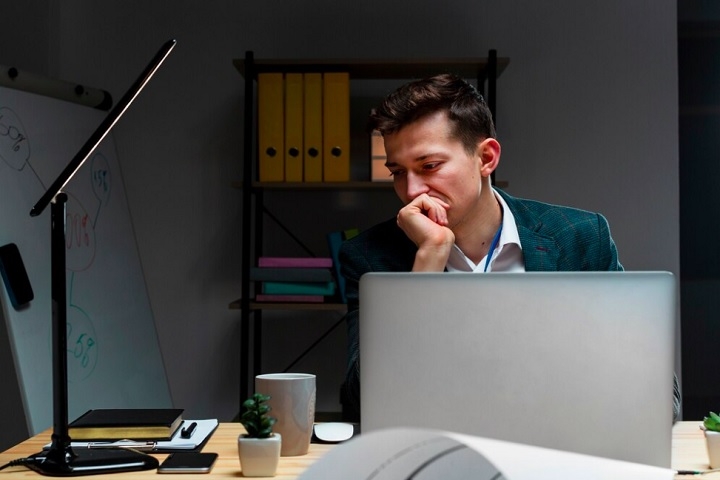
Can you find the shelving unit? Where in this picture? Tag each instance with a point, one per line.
(486, 70)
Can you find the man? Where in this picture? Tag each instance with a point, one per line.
(441, 151)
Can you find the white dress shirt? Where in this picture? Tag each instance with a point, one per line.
(506, 257)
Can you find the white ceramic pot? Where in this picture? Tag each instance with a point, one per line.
(712, 441)
(259, 456)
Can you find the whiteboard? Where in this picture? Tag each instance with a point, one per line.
(113, 354)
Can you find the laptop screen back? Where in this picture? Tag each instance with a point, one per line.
(575, 361)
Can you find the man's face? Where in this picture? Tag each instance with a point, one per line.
(423, 157)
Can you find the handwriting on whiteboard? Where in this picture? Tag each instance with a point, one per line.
(83, 344)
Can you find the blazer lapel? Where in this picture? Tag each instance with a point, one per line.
(540, 253)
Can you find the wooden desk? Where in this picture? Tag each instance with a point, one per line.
(223, 441)
(688, 453)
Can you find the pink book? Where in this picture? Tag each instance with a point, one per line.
(310, 262)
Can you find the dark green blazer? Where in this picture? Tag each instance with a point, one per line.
(553, 238)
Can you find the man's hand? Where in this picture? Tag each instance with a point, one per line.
(424, 220)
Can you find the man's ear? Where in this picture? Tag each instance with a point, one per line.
(489, 153)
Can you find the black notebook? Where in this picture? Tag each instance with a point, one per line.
(130, 423)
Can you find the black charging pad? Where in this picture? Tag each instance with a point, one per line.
(90, 462)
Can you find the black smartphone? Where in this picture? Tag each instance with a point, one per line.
(15, 276)
(188, 462)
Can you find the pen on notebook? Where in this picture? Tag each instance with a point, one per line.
(187, 432)
(142, 446)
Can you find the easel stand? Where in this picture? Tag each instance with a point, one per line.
(60, 459)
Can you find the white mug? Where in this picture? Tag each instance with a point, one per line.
(292, 403)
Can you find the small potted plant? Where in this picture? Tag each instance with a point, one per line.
(259, 448)
(711, 428)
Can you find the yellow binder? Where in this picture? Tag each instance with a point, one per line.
(293, 127)
(336, 127)
(271, 166)
(312, 111)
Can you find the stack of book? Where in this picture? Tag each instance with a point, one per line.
(294, 279)
(122, 423)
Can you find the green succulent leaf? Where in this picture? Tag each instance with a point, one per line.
(712, 422)
(255, 419)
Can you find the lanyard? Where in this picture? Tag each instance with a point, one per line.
(493, 246)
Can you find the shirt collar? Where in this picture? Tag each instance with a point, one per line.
(459, 262)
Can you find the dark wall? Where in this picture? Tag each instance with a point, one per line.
(14, 427)
(699, 173)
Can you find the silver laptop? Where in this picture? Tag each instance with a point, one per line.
(575, 361)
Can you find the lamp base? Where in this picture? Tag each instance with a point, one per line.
(56, 463)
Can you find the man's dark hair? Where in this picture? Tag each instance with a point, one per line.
(466, 108)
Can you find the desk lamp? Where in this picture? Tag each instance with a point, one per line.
(61, 459)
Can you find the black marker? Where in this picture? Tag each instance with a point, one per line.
(187, 432)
